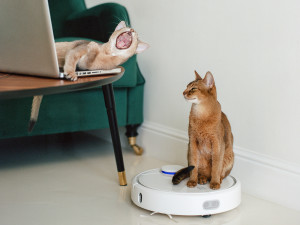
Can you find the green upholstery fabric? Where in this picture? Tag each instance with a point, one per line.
(69, 112)
(104, 17)
(82, 110)
(60, 10)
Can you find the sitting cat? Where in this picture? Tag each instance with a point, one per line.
(210, 149)
(89, 55)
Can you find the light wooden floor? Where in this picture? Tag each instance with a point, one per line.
(53, 180)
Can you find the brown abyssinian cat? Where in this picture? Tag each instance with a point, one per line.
(210, 149)
(89, 55)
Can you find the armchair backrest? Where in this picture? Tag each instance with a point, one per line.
(60, 10)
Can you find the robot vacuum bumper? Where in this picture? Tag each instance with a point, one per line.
(153, 190)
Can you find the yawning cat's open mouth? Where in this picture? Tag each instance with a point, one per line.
(124, 40)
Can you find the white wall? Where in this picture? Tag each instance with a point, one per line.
(251, 47)
(253, 50)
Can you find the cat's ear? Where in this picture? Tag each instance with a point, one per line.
(142, 46)
(121, 25)
(209, 80)
(197, 76)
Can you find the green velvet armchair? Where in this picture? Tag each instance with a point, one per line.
(82, 110)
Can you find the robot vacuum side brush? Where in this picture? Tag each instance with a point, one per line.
(153, 190)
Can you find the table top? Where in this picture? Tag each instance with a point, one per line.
(19, 86)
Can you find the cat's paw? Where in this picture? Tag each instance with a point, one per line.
(202, 180)
(191, 183)
(71, 76)
(215, 185)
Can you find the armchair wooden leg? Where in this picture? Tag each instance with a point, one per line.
(112, 117)
(131, 133)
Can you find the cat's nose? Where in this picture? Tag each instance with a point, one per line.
(131, 30)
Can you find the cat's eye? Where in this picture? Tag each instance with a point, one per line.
(193, 89)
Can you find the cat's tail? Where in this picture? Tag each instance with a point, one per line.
(36, 103)
(182, 174)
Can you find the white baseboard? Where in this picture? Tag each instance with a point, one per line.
(262, 176)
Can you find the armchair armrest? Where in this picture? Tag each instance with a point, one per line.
(96, 23)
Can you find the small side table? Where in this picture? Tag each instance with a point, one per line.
(18, 86)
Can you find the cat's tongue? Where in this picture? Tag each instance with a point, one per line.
(124, 40)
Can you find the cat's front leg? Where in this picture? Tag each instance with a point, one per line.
(193, 158)
(69, 70)
(71, 60)
(217, 164)
(93, 51)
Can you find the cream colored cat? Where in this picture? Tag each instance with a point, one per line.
(89, 55)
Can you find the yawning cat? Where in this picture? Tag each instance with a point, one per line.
(210, 149)
(89, 55)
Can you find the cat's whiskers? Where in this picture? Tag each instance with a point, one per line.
(122, 19)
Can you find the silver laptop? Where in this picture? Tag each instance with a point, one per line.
(26, 40)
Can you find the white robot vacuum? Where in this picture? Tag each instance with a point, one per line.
(153, 190)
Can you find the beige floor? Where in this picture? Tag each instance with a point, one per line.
(73, 180)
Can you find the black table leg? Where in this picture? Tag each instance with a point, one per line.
(112, 117)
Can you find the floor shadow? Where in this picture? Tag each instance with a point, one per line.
(24, 151)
